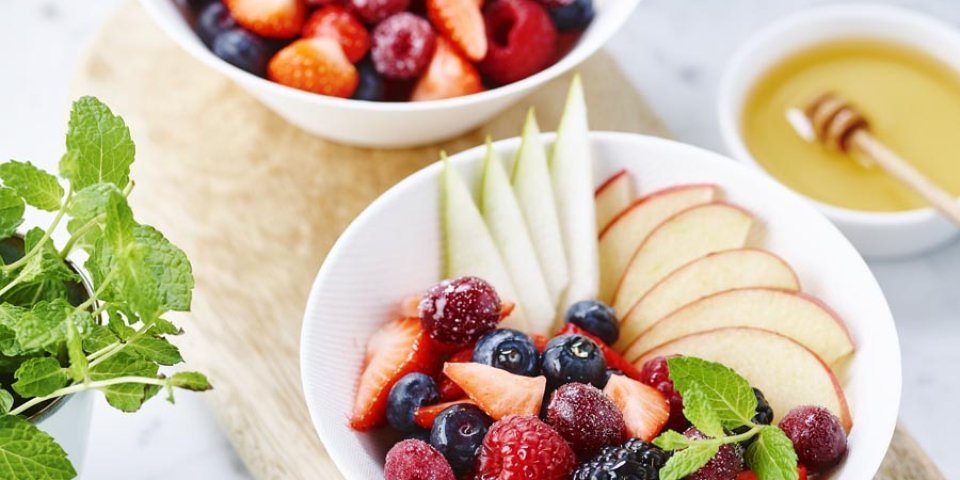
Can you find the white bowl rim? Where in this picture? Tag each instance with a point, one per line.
(570, 60)
(883, 432)
(729, 125)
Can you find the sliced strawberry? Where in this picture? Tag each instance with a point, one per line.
(269, 18)
(644, 409)
(497, 392)
(506, 309)
(410, 307)
(449, 390)
(540, 341)
(316, 65)
(398, 348)
(614, 360)
(462, 23)
(425, 416)
(336, 22)
(448, 75)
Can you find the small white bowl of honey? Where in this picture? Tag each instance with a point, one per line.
(901, 68)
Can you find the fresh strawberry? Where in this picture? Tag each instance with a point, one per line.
(449, 390)
(448, 75)
(398, 348)
(462, 23)
(614, 360)
(336, 22)
(426, 415)
(540, 341)
(749, 475)
(644, 409)
(524, 447)
(316, 65)
(269, 18)
(497, 392)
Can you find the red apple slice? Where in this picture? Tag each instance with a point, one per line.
(613, 196)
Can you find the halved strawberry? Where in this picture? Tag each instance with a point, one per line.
(644, 409)
(614, 360)
(448, 75)
(462, 23)
(336, 22)
(498, 392)
(449, 390)
(269, 18)
(424, 416)
(316, 65)
(398, 348)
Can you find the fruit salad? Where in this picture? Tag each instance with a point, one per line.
(391, 50)
(590, 334)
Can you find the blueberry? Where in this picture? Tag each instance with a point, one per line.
(573, 358)
(508, 350)
(213, 20)
(243, 50)
(596, 318)
(573, 17)
(371, 83)
(458, 434)
(411, 392)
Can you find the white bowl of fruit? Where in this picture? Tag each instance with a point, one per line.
(750, 340)
(390, 73)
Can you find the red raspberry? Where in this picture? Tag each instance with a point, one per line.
(402, 46)
(521, 40)
(725, 465)
(817, 436)
(586, 418)
(517, 448)
(338, 23)
(555, 3)
(374, 11)
(458, 312)
(656, 374)
(416, 460)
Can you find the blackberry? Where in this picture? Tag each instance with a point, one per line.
(764, 415)
(634, 460)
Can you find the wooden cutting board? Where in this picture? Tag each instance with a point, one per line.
(257, 203)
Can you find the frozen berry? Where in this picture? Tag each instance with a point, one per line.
(243, 50)
(573, 358)
(402, 46)
(521, 40)
(458, 312)
(458, 433)
(656, 374)
(635, 460)
(371, 86)
(416, 460)
(411, 392)
(524, 447)
(596, 318)
(586, 418)
(573, 17)
(817, 435)
(725, 465)
(338, 23)
(509, 350)
(375, 11)
(213, 20)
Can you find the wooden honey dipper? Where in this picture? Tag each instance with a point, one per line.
(838, 125)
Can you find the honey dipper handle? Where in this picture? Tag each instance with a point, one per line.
(887, 159)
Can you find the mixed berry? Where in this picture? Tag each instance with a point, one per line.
(391, 50)
(474, 401)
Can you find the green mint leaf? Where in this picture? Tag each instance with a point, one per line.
(671, 440)
(37, 187)
(699, 410)
(771, 455)
(169, 265)
(6, 401)
(155, 350)
(99, 147)
(165, 327)
(191, 381)
(39, 376)
(127, 397)
(11, 211)
(43, 327)
(28, 453)
(715, 388)
(689, 460)
(9, 347)
(86, 211)
(119, 327)
(98, 338)
(45, 265)
(78, 358)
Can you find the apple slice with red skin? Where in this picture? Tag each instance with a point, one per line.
(613, 197)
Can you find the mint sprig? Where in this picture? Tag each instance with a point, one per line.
(55, 342)
(718, 401)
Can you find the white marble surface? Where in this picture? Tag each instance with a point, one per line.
(674, 52)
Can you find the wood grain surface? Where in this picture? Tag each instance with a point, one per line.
(257, 203)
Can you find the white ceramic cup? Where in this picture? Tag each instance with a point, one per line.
(393, 124)
(393, 250)
(875, 234)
